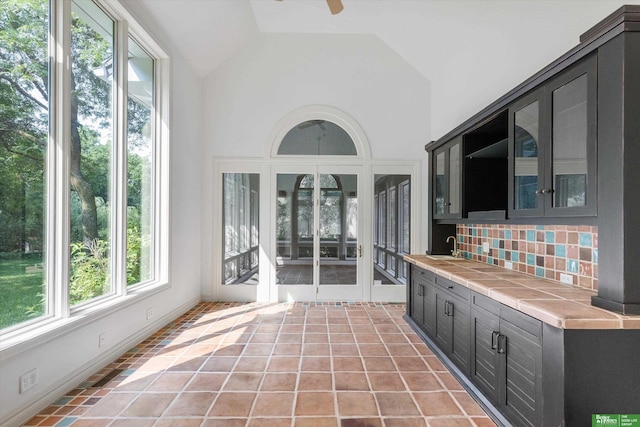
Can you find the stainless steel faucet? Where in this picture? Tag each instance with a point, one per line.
(455, 253)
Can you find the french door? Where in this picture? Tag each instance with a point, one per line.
(318, 251)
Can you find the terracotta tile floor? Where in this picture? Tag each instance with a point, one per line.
(298, 364)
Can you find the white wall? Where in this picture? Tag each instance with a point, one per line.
(278, 73)
(66, 357)
(472, 51)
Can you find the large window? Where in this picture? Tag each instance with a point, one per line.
(80, 213)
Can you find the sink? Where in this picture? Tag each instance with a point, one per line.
(444, 258)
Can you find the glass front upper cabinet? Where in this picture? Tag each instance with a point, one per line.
(553, 146)
(447, 180)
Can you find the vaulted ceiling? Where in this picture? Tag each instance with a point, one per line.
(422, 31)
(460, 46)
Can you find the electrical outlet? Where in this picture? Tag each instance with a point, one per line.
(508, 265)
(149, 313)
(28, 380)
(485, 247)
(101, 338)
(566, 278)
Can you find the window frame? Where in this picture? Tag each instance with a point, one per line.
(59, 316)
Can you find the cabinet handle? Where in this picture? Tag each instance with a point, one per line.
(545, 191)
(494, 340)
(448, 308)
(502, 344)
(449, 287)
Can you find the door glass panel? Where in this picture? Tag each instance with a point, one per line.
(389, 267)
(526, 157)
(338, 231)
(454, 179)
(570, 144)
(241, 195)
(440, 184)
(294, 229)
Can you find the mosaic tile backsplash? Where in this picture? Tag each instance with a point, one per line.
(541, 250)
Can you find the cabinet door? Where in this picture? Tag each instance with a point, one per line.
(460, 339)
(552, 147)
(521, 400)
(485, 360)
(447, 180)
(417, 308)
(571, 104)
(526, 167)
(442, 333)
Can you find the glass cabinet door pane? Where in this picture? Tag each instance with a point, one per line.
(570, 144)
(439, 184)
(525, 178)
(454, 179)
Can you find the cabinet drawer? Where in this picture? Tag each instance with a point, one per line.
(490, 305)
(524, 322)
(422, 276)
(453, 287)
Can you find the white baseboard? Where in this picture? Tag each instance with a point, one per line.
(46, 397)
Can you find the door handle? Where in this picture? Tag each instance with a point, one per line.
(494, 340)
(448, 308)
(502, 344)
(360, 251)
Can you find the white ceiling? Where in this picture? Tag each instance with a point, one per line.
(424, 32)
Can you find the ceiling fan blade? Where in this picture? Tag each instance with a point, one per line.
(335, 6)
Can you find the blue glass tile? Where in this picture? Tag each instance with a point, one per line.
(515, 256)
(66, 421)
(495, 243)
(572, 266)
(501, 254)
(479, 250)
(507, 234)
(594, 258)
(585, 239)
(490, 260)
(474, 231)
(539, 227)
(561, 251)
(63, 401)
(461, 239)
(531, 259)
(531, 236)
(549, 236)
(539, 271)
(484, 232)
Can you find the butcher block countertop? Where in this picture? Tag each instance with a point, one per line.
(559, 305)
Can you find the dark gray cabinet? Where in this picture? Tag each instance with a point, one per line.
(422, 306)
(506, 359)
(451, 321)
(441, 309)
(552, 146)
(447, 180)
(522, 371)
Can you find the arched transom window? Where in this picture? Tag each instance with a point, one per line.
(317, 138)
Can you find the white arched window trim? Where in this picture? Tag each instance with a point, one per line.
(319, 112)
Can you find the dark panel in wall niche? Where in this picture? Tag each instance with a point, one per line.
(618, 174)
(602, 373)
(610, 179)
(631, 151)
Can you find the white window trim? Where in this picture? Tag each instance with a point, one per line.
(59, 317)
